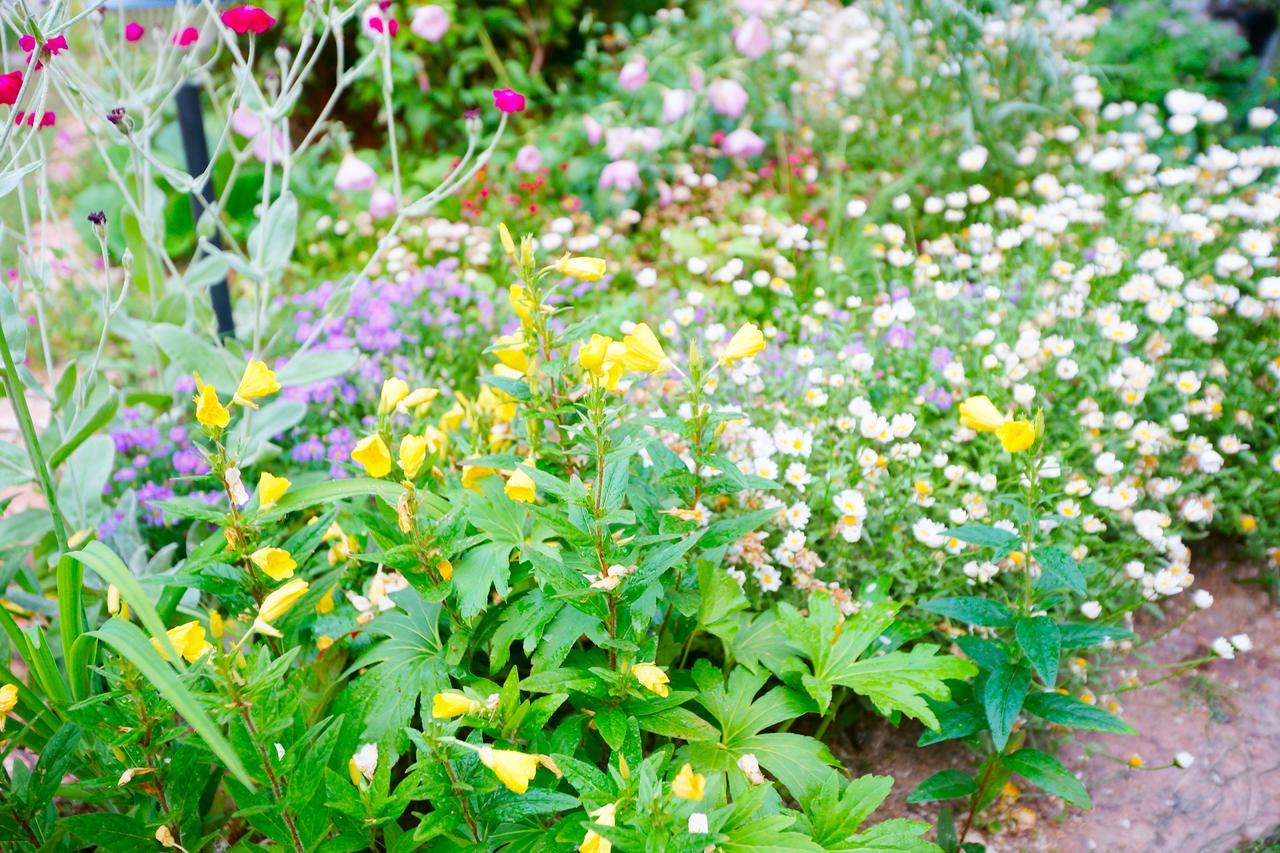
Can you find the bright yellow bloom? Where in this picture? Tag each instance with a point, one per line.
(276, 563)
(372, 454)
(520, 486)
(473, 474)
(586, 269)
(652, 677)
(1016, 436)
(643, 352)
(745, 343)
(591, 354)
(508, 245)
(445, 568)
(689, 785)
(593, 842)
(187, 639)
(8, 701)
(393, 391)
(510, 350)
(521, 302)
(325, 604)
(277, 604)
(216, 626)
(513, 769)
(413, 449)
(258, 380)
(447, 705)
(417, 399)
(979, 413)
(209, 412)
(452, 419)
(271, 489)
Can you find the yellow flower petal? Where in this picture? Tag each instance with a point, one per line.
(258, 380)
(276, 563)
(372, 454)
(270, 489)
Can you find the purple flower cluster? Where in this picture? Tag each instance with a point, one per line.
(151, 457)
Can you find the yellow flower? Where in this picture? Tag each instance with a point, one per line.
(445, 568)
(372, 454)
(521, 302)
(591, 354)
(587, 269)
(447, 705)
(164, 835)
(323, 643)
(510, 350)
(979, 413)
(258, 380)
(643, 352)
(216, 627)
(1016, 436)
(473, 474)
(325, 604)
(513, 769)
(393, 391)
(508, 245)
(452, 419)
(276, 563)
(277, 604)
(689, 785)
(209, 412)
(652, 677)
(271, 489)
(745, 343)
(8, 701)
(593, 842)
(418, 399)
(520, 486)
(187, 639)
(413, 449)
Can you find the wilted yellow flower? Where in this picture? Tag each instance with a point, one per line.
(8, 701)
(510, 350)
(372, 454)
(165, 836)
(447, 705)
(187, 639)
(417, 399)
(271, 489)
(258, 380)
(521, 302)
(445, 568)
(979, 413)
(652, 677)
(508, 245)
(1016, 436)
(513, 769)
(209, 412)
(276, 563)
(520, 486)
(413, 449)
(745, 343)
(593, 842)
(689, 785)
(277, 604)
(586, 269)
(363, 764)
(643, 352)
(393, 391)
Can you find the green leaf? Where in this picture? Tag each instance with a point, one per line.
(273, 239)
(1068, 711)
(303, 497)
(1002, 698)
(981, 534)
(728, 530)
(1058, 571)
(1047, 773)
(900, 681)
(115, 833)
(944, 785)
(1041, 643)
(112, 569)
(1084, 636)
(971, 609)
(131, 644)
(720, 598)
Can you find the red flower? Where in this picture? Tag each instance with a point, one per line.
(133, 31)
(508, 100)
(248, 19)
(10, 86)
(188, 36)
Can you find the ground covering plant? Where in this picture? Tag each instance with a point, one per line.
(796, 364)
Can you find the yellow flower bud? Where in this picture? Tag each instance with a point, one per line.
(210, 412)
(1016, 436)
(980, 414)
(651, 676)
(393, 391)
(586, 269)
(745, 343)
(276, 604)
(689, 785)
(447, 705)
(413, 449)
(513, 769)
(187, 639)
(643, 352)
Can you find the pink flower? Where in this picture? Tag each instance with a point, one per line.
(430, 22)
(133, 31)
(696, 79)
(248, 19)
(27, 43)
(594, 130)
(752, 38)
(29, 119)
(382, 204)
(354, 175)
(378, 25)
(623, 175)
(188, 36)
(675, 103)
(528, 159)
(619, 140)
(508, 100)
(634, 74)
(742, 143)
(56, 45)
(10, 86)
(267, 147)
(727, 97)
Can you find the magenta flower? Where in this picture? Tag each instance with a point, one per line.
(10, 86)
(27, 43)
(248, 19)
(56, 45)
(187, 37)
(377, 24)
(430, 22)
(133, 31)
(508, 100)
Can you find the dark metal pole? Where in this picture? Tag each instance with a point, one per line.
(191, 122)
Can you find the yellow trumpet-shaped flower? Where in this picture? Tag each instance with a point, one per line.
(1016, 436)
(413, 449)
(473, 474)
(452, 419)
(188, 639)
(980, 414)
(276, 563)
(8, 701)
(393, 391)
(689, 785)
(510, 350)
(417, 399)
(643, 352)
(325, 604)
(513, 769)
(508, 245)
(586, 269)
(210, 412)
(521, 302)
(520, 486)
(745, 343)
(271, 489)
(276, 604)
(258, 380)
(652, 677)
(447, 705)
(372, 454)
(594, 842)
(592, 353)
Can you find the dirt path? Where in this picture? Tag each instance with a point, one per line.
(1228, 717)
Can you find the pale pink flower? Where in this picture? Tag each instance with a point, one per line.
(430, 22)
(594, 130)
(742, 143)
(623, 175)
(382, 204)
(752, 38)
(675, 103)
(354, 175)
(528, 159)
(727, 97)
(634, 74)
